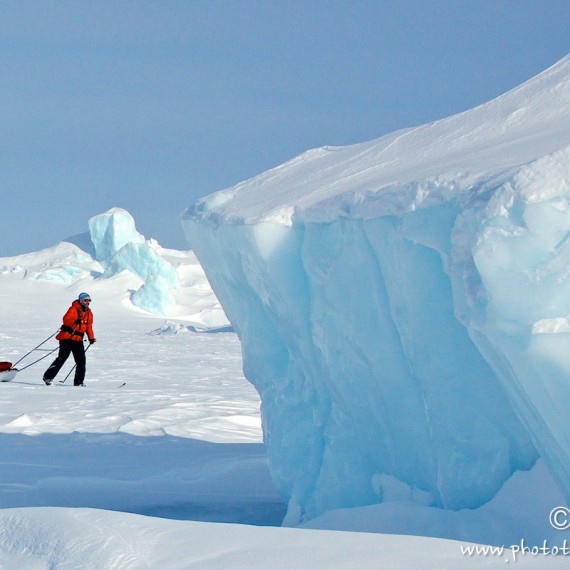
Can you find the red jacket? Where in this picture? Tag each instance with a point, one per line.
(76, 322)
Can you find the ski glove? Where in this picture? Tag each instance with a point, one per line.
(92, 340)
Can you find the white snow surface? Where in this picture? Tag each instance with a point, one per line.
(403, 306)
(159, 463)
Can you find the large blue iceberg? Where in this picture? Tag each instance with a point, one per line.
(404, 304)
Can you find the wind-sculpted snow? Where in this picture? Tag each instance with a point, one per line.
(403, 305)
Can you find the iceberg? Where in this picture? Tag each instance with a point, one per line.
(111, 231)
(142, 260)
(154, 295)
(403, 305)
(119, 246)
(114, 256)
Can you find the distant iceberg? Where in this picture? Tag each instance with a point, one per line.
(392, 298)
(111, 231)
(153, 279)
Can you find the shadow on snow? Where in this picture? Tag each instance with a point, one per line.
(162, 476)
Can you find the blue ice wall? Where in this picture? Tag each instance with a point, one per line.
(404, 304)
(367, 377)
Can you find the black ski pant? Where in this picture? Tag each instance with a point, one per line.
(67, 347)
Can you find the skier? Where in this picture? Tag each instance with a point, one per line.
(76, 322)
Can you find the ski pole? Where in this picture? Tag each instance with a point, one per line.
(36, 348)
(74, 366)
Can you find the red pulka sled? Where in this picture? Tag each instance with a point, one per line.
(7, 372)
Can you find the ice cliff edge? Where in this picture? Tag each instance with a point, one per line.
(404, 304)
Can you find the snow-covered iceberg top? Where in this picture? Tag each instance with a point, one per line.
(412, 168)
(400, 304)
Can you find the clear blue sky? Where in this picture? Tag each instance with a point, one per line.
(148, 105)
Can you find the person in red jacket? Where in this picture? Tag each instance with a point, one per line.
(77, 322)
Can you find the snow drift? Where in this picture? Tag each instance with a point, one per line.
(404, 305)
